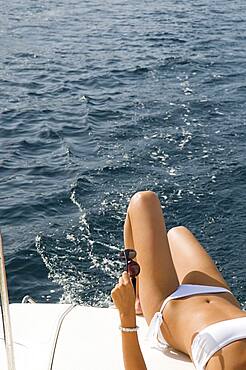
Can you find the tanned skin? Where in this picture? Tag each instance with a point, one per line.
(168, 260)
(124, 299)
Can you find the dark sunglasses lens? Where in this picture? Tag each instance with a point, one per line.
(130, 253)
(133, 269)
(122, 255)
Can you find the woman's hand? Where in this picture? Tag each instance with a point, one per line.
(124, 299)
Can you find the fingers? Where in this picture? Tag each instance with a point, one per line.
(123, 295)
(126, 278)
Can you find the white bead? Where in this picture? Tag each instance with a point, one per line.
(128, 330)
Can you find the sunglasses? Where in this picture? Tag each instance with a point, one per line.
(132, 267)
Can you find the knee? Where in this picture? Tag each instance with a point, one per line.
(143, 197)
(175, 231)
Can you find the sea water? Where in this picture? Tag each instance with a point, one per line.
(100, 99)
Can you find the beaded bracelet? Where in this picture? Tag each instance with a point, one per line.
(128, 330)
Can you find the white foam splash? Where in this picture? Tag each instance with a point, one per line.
(172, 171)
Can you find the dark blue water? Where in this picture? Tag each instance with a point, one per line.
(101, 99)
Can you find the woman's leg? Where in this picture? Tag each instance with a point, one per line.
(192, 263)
(145, 231)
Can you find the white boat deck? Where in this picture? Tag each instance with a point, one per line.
(65, 337)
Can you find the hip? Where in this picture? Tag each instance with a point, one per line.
(184, 318)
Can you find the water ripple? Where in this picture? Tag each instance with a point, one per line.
(99, 100)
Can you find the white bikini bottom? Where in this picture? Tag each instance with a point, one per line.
(154, 335)
(207, 341)
(214, 337)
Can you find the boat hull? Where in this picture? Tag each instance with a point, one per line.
(62, 337)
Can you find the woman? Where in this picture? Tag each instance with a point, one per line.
(183, 297)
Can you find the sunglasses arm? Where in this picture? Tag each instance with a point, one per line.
(134, 284)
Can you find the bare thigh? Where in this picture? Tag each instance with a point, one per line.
(145, 231)
(192, 263)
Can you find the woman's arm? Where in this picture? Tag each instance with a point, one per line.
(124, 299)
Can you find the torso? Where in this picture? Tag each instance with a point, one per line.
(185, 317)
